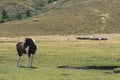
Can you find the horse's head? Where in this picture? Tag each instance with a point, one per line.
(29, 41)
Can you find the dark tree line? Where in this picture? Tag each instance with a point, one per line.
(17, 16)
(50, 1)
(28, 13)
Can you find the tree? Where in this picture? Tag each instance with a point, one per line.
(28, 13)
(50, 1)
(2, 20)
(18, 16)
(4, 14)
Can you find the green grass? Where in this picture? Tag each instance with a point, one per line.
(51, 54)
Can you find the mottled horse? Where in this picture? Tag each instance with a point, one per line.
(27, 47)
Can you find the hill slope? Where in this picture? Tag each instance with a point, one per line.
(14, 6)
(70, 17)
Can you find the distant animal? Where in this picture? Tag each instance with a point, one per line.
(87, 38)
(27, 47)
(82, 38)
(35, 19)
(99, 38)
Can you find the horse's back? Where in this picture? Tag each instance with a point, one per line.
(19, 46)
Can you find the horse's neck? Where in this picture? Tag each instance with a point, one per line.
(23, 45)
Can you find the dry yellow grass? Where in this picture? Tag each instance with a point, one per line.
(71, 18)
(111, 38)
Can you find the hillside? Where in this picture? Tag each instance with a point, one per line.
(70, 17)
(14, 6)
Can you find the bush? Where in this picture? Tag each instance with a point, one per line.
(28, 13)
(40, 6)
(18, 16)
(50, 1)
(2, 20)
(4, 14)
(9, 19)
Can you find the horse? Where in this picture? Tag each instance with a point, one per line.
(27, 47)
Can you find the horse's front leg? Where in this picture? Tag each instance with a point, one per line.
(30, 60)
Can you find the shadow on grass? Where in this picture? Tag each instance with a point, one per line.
(90, 67)
(28, 67)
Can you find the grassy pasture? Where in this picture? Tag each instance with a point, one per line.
(53, 52)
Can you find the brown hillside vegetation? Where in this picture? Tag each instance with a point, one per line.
(71, 17)
(21, 6)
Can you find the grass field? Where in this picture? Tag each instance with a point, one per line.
(53, 53)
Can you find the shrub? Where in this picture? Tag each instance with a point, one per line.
(50, 1)
(9, 19)
(28, 13)
(4, 14)
(2, 20)
(18, 16)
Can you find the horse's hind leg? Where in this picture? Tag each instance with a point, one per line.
(18, 61)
